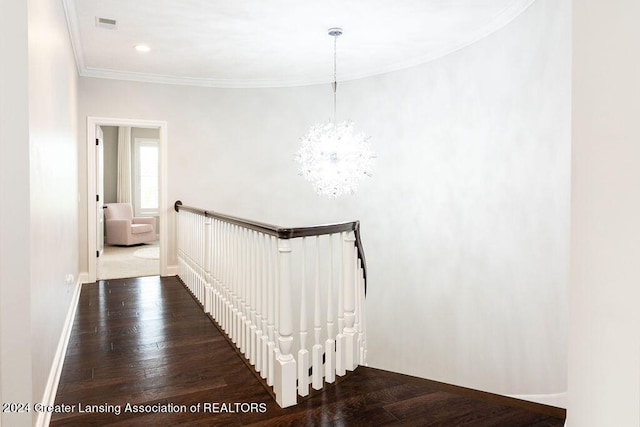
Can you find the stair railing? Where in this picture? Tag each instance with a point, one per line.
(267, 286)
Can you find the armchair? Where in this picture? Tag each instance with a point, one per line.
(125, 229)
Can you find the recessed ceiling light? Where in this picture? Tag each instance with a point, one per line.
(142, 48)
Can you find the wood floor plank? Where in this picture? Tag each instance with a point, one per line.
(147, 342)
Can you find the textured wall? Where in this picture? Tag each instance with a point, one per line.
(466, 220)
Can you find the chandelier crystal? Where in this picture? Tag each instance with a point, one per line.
(332, 157)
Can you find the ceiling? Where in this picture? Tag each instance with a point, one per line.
(258, 43)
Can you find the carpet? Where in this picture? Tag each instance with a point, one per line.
(119, 262)
(148, 253)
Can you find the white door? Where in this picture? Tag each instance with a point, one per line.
(99, 191)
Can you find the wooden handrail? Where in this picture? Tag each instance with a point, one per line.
(286, 232)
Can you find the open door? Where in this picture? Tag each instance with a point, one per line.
(95, 201)
(100, 192)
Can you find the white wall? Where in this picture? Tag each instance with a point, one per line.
(466, 220)
(40, 181)
(54, 181)
(15, 292)
(604, 345)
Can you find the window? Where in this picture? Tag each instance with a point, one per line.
(146, 162)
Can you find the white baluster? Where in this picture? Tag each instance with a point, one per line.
(194, 256)
(228, 285)
(285, 367)
(351, 348)
(238, 283)
(191, 240)
(242, 270)
(190, 252)
(258, 306)
(184, 245)
(227, 279)
(219, 273)
(340, 338)
(187, 240)
(330, 344)
(276, 323)
(207, 266)
(224, 303)
(200, 263)
(359, 303)
(185, 219)
(253, 294)
(197, 259)
(179, 243)
(316, 351)
(363, 318)
(265, 307)
(303, 353)
(243, 274)
(247, 298)
(271, 294)
(216, 271)
(234, 285)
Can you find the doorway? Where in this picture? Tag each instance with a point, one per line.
(127, 167)
(147, 128)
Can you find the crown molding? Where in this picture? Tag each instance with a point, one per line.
(506, 16)
(71, 16)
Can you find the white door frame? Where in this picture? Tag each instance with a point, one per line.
(92, 122)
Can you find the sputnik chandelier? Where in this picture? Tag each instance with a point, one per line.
(332, 157)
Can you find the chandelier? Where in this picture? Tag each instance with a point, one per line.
(332, 157)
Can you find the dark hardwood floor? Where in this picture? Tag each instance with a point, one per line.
(146, 341)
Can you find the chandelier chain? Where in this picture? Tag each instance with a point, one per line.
(335, 78)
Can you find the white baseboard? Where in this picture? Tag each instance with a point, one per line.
(51, 388)
(559, 400)
(172, 270)
(83, 277)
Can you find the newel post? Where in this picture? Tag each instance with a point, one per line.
(349, 289)
(285, 366)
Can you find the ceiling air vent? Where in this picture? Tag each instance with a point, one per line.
(107, 23)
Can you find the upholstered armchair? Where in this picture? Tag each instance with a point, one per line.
(125, 229)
